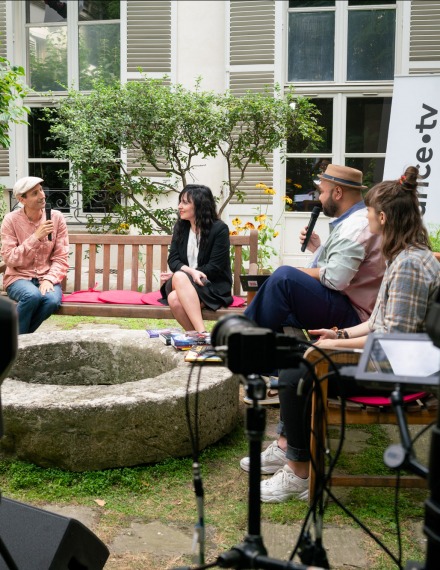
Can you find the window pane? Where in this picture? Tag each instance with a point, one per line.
(55, 185)
(310, 3)
(368, 121)
(325, 120)
(48, 58)
(99, 10)
(300, 174)
(39, 11)
(99, 54)
(40, 146)
(371, 167)
(311, 46)
(371, 35)
(371, 2)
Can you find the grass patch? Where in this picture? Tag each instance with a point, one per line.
(69, 323)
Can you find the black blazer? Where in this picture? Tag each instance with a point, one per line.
(213, 260)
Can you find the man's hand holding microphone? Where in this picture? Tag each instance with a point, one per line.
(307, 237)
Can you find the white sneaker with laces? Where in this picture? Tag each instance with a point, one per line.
(283, 486)
(272, 459)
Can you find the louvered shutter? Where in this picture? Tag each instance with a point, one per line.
(424, 37)
(251, 59)
(148, 49)
(149, 36)
(4, 153)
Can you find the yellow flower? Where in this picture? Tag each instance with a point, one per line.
(233, 233)
(289, 180)
(260, 218)
(275, 234)
(287, 200)
(269, 191)
(261, 227)
(260, 185)
(249, 226)
(236, 222)
(298, 186)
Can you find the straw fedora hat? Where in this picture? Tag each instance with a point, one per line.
(343, 175)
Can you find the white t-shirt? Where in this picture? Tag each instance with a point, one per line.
(193, 249)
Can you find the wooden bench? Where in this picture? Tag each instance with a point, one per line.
(110, 255)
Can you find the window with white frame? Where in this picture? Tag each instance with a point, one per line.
(69, 43)
(342, 55)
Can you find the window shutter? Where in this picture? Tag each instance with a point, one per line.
(4, 153)
(425, 35)
(149, 36)
(251, 59)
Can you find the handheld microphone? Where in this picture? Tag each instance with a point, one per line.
(315, 213)
(49, 217)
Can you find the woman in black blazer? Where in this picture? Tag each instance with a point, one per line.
(198, 259)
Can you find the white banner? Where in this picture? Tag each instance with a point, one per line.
(414, 138)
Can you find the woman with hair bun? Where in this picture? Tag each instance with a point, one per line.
(409, 286)
(199, 260)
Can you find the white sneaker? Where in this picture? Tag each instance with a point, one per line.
(283, 486)
(272, 459)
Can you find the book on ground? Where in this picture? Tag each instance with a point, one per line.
(187, 340)
(155, 333)
(203, 355)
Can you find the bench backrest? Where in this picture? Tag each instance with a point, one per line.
(137, 256)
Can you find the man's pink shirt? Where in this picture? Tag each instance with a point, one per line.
(26, 257)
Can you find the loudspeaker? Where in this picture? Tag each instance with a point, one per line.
(40, 540)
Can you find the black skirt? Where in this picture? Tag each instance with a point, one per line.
(207, 296)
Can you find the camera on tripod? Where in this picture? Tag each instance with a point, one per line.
(248, 349)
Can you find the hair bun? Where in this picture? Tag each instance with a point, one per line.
(409, 179)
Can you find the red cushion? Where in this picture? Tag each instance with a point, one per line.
(117, 296)
(381, 401)
(89, 296)
(152, 298)
(237, 301)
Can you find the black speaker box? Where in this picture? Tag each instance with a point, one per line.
(40, 540)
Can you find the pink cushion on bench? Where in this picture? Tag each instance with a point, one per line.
(119, 296)
(381, 401)
(153, 299)
(89, 296)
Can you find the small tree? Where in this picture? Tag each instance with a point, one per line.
(12, 93)
(167, 127)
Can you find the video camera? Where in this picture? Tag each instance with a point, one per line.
(248, 349)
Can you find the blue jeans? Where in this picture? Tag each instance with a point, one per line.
(291, 297)
(33, 308)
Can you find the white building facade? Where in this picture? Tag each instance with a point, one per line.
(343, 54)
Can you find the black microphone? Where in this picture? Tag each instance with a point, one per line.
(49, 217)
(315, 213)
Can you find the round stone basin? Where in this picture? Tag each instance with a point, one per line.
(95, 399)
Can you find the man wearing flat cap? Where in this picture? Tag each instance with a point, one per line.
(35, 250)
(341, 287)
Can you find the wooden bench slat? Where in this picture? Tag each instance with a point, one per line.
(120, 267)
(106, 268)
(134, 267)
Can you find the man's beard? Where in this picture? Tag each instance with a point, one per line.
(330, 209)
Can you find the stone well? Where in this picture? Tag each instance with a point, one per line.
(84, 400)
